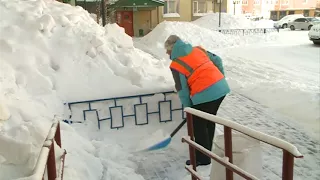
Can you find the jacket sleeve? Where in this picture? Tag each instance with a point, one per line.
(217, 61)
(182, 88)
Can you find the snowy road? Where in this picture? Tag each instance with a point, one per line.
(283, 76)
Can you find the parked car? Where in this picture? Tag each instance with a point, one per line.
(303, 23)
(314, 34)
(283, 23)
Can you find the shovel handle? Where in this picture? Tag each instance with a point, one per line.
(178, 128)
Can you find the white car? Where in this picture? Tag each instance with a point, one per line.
(314, 34)
(283, 23)
(303, 23)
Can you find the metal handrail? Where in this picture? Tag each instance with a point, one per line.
(46, 159)
(279, 143)
(289, 150)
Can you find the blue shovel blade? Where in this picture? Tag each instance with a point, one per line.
(162, 144)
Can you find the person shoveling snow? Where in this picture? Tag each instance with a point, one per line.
(201, 84)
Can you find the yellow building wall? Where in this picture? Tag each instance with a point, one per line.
(142, 20)
(224, 6)
(209, 6)
(185, 12)
(312, 13)
(155, 19)
(209, 9)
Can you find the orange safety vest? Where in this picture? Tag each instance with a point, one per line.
(200, 71)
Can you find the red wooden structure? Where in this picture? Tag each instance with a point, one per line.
(289, 151)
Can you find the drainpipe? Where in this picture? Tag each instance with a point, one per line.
(220, 13)
(103, 13)
(158, 17)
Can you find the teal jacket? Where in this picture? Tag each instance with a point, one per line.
(213, 92)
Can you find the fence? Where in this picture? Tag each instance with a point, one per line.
(117, 109)
(289, 151)
(245, 32)
(46, 163)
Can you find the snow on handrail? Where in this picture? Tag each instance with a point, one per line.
(53, 128)
(52, 131)
(42, 161)
(248, 131)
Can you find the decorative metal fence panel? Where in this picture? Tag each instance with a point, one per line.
(116, 110)
(246, 32)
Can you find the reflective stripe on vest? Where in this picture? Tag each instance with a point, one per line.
(199, 70)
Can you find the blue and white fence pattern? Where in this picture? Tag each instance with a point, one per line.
(138, 107)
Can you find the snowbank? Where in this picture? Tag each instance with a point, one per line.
(228, 21)
(264, 24)
(189, 32)
(93, 159)
(52, 53)
(208, 38)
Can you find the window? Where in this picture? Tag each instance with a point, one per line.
(285, 2)
(256, 2)
(277, 2)
(282, 14)
(300, 20)
(313, 19)
(306, 13)
(304, 1)
(274, 15)
(199, 7)
(171, 6)
(245, 2)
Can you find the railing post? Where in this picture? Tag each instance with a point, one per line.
(228, 150)
(51, 165)
(192, 152)
(57, 136)
(287, 166)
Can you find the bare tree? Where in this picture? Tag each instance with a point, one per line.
(105, 12)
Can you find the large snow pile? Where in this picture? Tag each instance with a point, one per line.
(52, 53)
(189, 32)
(228, 21)
(264, 23)
(196, 35)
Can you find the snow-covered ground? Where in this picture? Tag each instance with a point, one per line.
(53, 53)
(284, 75)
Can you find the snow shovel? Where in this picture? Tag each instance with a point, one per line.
(166, 141)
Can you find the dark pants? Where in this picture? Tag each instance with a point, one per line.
(203, 129)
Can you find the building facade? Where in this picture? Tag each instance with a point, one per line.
(264, 7)
(147, 14)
